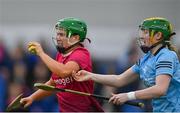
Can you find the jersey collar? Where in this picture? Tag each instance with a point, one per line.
(158, 50)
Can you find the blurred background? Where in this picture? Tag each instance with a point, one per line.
(112, 28)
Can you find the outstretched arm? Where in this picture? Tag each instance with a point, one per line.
(111, 80)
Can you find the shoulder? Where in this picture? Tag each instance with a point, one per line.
(82, 57)
(80, 51)
(166, 54)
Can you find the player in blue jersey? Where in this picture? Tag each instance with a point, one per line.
(159, 68)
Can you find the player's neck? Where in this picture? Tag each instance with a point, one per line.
(153, 50)
(70, 50)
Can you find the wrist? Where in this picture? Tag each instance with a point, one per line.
(131, 96)
(32, 98)
(41, 54)
(92, 76)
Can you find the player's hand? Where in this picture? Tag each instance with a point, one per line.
(35, 48)
(26, 101)
(118, 99)
(81, 75)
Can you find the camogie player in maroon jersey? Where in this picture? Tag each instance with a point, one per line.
(71, 56)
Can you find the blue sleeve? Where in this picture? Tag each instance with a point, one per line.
(135, 67)
(165, 64)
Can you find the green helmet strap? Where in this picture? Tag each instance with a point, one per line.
(69, 34)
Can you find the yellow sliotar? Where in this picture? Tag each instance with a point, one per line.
(31, 49)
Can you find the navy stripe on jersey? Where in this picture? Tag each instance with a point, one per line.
(164, 67)
(164, 64)
(138, 62)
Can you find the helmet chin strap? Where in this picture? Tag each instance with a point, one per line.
(145, 49)
(64, 50)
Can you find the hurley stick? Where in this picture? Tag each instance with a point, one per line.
(52, 88)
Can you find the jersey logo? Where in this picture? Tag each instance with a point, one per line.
(63, 81)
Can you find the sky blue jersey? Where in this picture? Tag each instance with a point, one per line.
(162, 62)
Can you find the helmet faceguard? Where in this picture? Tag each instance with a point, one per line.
(71, 26)
(143, 35)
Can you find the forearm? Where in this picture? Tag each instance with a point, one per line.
(110, 80)
(40, 94)
(149, 93)
(53, 65)
(116, 80)
(159, 89)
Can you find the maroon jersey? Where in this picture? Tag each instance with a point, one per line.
(69, 102)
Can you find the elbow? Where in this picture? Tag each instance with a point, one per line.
(116, 85)
(113, 85)
(64, 74)
(120, 83)
(160, 92)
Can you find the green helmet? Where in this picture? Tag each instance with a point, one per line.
(73, 26)
(158, 24)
